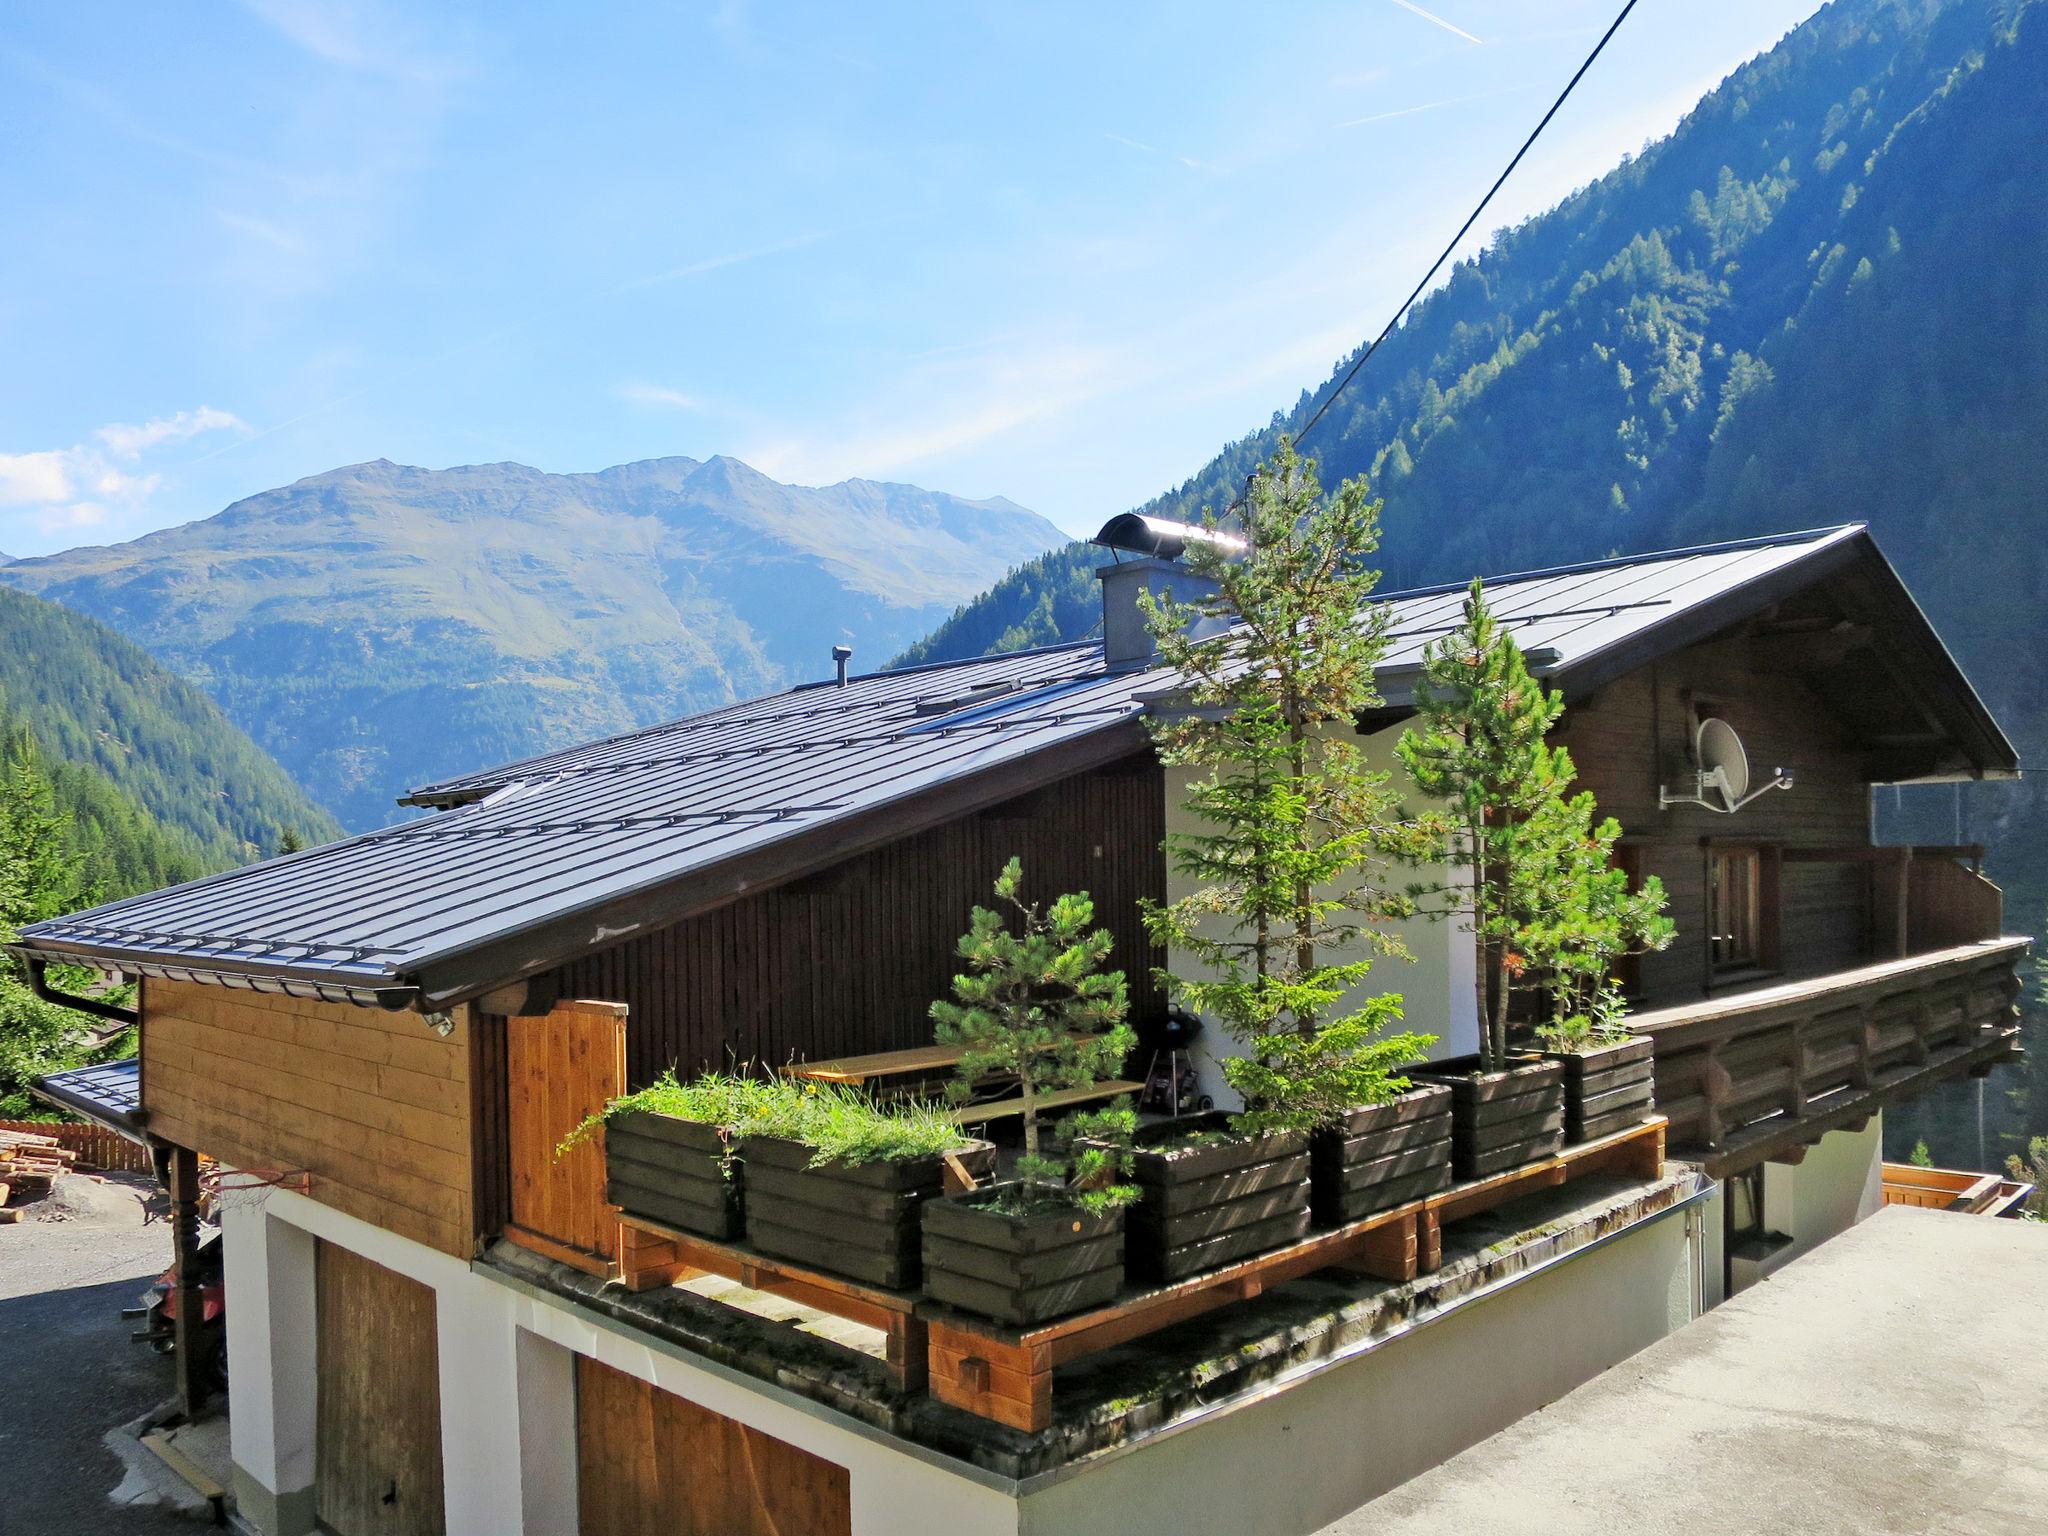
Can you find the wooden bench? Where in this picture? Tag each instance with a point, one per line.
(1059, 1098)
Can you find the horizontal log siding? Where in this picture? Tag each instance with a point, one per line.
(849, 961)
(1630, 736)
(374, 1106)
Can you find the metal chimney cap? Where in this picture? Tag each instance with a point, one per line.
(842, 653)
(1162, 538)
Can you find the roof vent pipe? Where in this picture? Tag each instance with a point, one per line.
(1158, 544)
(841, 655)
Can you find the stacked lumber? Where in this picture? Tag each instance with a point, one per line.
(29, 1165)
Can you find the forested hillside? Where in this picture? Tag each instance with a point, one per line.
(1822, 299)
(144, 763)
(381, 625)
(115, 778)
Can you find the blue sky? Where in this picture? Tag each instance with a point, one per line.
(1058, 253)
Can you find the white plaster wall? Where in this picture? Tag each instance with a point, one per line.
(1436, 987)
(1299, 1460)
(1839, 1183)
(507, 1371)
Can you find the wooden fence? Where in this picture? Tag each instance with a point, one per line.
(96, 1146)
(559, 1068)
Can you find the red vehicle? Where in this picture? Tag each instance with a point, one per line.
(161, 1312)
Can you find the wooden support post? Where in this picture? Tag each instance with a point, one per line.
(184, 1182)
(1388, 1252)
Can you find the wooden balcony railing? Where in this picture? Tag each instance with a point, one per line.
(1921, 899)
(1755, 1074)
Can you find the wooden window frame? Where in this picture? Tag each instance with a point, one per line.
(1761, 955)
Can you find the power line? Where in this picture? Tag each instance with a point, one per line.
(1463, 229)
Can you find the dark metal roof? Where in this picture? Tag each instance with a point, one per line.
(546, 858)
(109, 1095)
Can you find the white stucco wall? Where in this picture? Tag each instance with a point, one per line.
(1436, 987)
(1839, 1183)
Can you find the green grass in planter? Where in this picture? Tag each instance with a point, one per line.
(843, 1125)
(740, 1104)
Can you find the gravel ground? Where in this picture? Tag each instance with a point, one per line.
(71, 1373)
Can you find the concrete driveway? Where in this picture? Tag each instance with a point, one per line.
(72, 1373)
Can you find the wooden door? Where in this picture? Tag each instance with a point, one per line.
(561, 1067)
(378, 1457)
(650, 1463)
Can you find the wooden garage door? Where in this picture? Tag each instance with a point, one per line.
(379, 1448)
(651, 1464)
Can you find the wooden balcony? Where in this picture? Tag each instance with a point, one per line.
(1951, 1189)
(1763, 1073)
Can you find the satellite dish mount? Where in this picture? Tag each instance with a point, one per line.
(1720, 777)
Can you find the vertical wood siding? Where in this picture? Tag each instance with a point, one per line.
(378, 1400)
(562, 1067)
(849, 961)
(1631, 736)
(374, 1106)
(650, 1463)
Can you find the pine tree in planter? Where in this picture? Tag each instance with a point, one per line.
(1035, 1007)
(1534, 874)
(1290, 907)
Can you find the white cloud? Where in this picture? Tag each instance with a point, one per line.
(351, 34)
(31, 479)
(276, 236)
(89, 484)
(130, 442)
(661, 396)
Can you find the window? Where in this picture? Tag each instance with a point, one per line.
(1736, 938)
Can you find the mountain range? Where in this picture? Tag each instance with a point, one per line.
(381, 625)
(1820, 300)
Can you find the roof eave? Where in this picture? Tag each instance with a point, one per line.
(459, 975)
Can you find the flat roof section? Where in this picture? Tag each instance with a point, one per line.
(1891, 1380)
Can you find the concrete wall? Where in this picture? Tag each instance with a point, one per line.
(1436, 986)
(1287, 1463)
(1299, 1459)
(1839, 1183)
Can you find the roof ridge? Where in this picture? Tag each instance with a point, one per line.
(1614, 562)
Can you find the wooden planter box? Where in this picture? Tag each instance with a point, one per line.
(1381, 1155)
(1608, 1089)
(859, 1220)
(1020, 1269)
(680, 1173)
(1500, 1120)
(1208, 1205)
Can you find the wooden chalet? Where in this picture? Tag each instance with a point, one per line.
(393, 1033)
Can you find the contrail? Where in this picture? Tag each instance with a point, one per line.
(1431, 106)
(1409, 5)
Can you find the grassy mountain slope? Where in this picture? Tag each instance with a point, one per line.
(1820, 299)
(146, 765)
(381, 625)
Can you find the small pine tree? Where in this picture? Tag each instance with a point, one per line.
(1035, 1006)
(1548, 907)
(289, 840)
(1298, 830)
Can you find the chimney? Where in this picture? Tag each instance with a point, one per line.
(1158, 545)
(841, 655)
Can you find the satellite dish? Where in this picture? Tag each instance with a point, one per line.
(1720, 778)
(1723, 763)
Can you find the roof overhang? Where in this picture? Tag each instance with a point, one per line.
(109, 1096)
(1971, 745)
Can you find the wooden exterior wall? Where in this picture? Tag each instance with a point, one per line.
(1632, 735)
(375, 1106)
(849, 961)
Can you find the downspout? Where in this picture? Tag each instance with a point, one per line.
(39, 984)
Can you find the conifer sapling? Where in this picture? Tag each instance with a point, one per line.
(1035, 1006)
